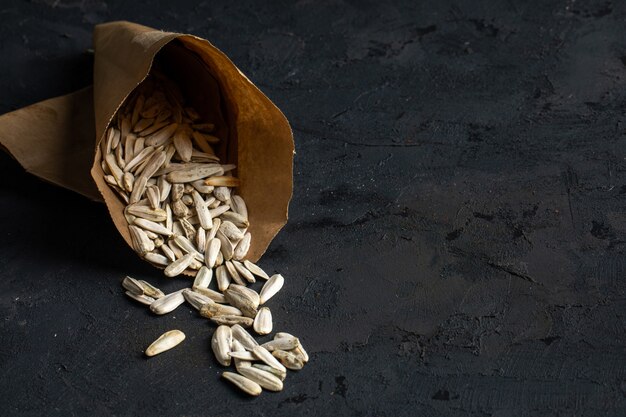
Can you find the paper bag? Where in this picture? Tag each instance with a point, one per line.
(57, 139)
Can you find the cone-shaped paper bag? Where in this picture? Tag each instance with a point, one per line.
(55, 139)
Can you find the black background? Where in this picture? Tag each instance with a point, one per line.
(456, 237)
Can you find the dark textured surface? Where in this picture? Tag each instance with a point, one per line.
(458, 230)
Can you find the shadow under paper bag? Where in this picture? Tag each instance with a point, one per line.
(57, 139)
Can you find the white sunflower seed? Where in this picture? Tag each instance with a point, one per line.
(222, 193)
(201, 240)
(210, 234)
(202, 211)
(263, 321)
(231, 320)
(220, 343)
(203, 278)
(279, 374)
(241, 250)
(222, 277)
(244, 355)
(218, 210)
(271, 287)
(256, 270)
(166, 341)
(155, 258)
(227, 247)
(281, 344)
(243, 271)
(189, 174)
(232, 271)
(162, 136)
(141, 243)
(142, 298)
(238, 205)
(179, 265)
(235, 218)
(244, 337)
(231, 231)
(196, 299)
(265, 379)
(168, 303)
(210, 254)
(218, 297)
(243, 383)
(213, 309)
(267, 357)
(243, 300)
(132, 285)
(288, 359)
(153, 227)
(150, 290)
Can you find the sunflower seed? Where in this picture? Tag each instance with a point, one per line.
(244, 337)
(236, 219)
(187, 200)
(281, 344)
(238, 205)
(203, 277)
(231, 231)
(141, 243)
(298, 349)
(244, 272)
(263, 321)
(210, 254)
(223, 280)
(188, 247)
(148, 213)
(271, 287)
(232, 271)
(183, 145)
(150, 290)
(164, 188)
(279, 374)
(168, 303)
(213, 295)
(263, 355)
(156, 259)
(142, 298)
(241, 250)
(244, 355)
(194, 173)
(226, 245)
(218, 210)
(222, 193)
(127, 181)
(243, 300)
(116, 171)
(196, 299)
(153, 227)
(179, 265)
(166, 341)
(239, 363)
(154, 197)
(243, 383)
(256, 270)
(202, 211)
(265, 379)
(212, 309)
(132, 285)
(201, 240)
(232, 320)
(175, 249)
(204, 189)
(162, 136)
(139, 157)
(180, 209)
(220, 343)
(288, 359)
(167, 251)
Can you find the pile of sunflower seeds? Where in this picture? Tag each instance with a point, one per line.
(183, 215)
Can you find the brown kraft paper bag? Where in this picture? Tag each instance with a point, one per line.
(57, 139)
